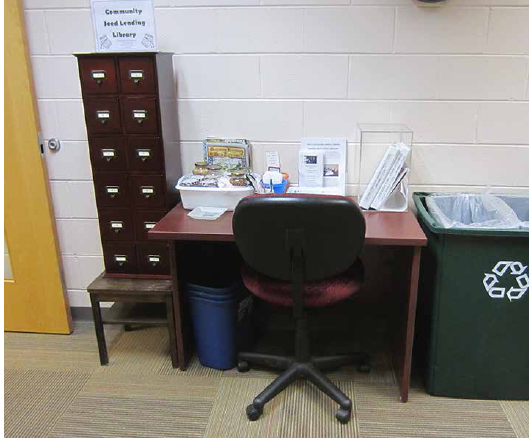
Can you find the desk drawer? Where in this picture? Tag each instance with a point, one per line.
(137, 75)
(112, 189)
(153, 258)
(116, 225)
(139, 115)
(120, 258)
(144, 220)
(147, 191)
(108, 153)
(98, 75)
(102, 116)
(144, 153)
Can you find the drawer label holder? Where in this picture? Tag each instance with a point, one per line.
(136, 76)
(98, 76)
(108, 154)
(144, 154)
(154, 259)
(103, 116)
(139, 115)
(117, 226)
(149, 225)
(120, 259)
(147, 191)
(112, 190)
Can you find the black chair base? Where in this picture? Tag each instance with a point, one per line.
(294, 370)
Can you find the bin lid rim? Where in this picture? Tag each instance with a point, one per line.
(424, 215)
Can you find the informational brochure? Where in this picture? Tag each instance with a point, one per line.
(123, 25)
(334, 151)
(310, 168)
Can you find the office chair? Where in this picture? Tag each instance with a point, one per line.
(300, 251)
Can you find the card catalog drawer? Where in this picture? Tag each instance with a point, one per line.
(137, 75)
(111, 189)
(120, 258)
(116, 225)
(147, 191)
(98, 75)
(153, 258)
(139, 115)
(144, 220)
(144, 153)
(108, 153)
(102, 116)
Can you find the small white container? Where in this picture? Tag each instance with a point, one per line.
(229, 197)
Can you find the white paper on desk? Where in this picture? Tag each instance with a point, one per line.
(207, 213)
(334, 159)
(310, 168)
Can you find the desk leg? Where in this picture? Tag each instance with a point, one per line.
(177, 309)
(402, 350)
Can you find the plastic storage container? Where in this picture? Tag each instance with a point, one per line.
(473, 309)
(221, 319)
(193, 197)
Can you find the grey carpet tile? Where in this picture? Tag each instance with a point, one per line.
(142, 351)
(380, 414)
(133, 417)
(299, 411)
(37, 399)
(518, 414)
(75, 352)
(161, 387)
(307, 412)
(228, 418)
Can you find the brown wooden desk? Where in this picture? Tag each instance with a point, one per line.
(383, 229)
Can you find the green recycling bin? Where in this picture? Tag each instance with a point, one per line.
(473, 309)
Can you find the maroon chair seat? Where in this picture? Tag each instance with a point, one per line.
(317, 293)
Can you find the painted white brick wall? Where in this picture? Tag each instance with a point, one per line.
(276, 70)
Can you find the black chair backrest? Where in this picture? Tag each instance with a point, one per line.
(333, 230)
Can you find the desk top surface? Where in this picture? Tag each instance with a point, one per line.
(382, 228)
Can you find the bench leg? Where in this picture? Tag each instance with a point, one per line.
(100, 332)
(172, 331)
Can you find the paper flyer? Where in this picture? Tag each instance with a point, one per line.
(124, 26)
(334, 152)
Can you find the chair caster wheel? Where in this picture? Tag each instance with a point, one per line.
(253, 413)
(243, 366)
(343, 416)
(363, 368)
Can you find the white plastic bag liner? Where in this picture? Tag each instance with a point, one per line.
(520, 205)
(466, 210)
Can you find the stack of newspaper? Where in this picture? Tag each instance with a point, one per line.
(390, 172)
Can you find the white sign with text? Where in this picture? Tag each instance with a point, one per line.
(124, 26)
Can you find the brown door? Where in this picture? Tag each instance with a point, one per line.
(34, 297)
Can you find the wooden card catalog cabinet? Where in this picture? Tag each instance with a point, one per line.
(134, 156)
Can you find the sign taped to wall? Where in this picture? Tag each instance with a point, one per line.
(124, 26)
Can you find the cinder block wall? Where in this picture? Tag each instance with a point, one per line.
(274, 71)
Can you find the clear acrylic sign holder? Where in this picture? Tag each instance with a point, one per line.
(375, 140)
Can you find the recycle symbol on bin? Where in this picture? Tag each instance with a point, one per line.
(491, 281)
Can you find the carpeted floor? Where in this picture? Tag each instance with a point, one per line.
(55, 387)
